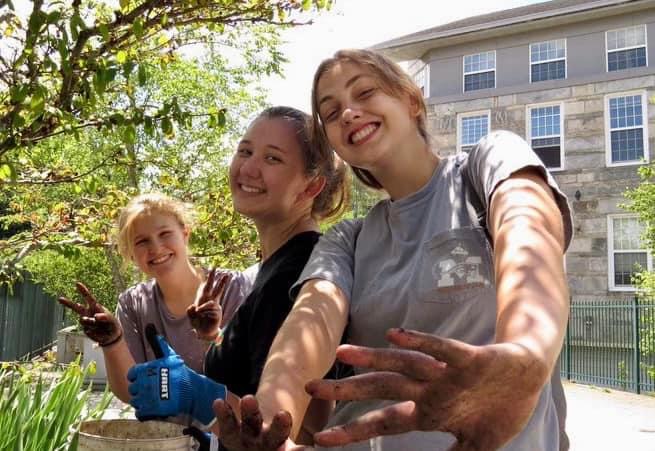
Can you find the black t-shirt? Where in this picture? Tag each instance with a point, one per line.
(239, 360)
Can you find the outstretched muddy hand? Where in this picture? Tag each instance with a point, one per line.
(97, 322)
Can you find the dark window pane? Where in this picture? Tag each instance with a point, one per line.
(626, 265)
(549, 151)
(625, 59)
(627, 145)
(482, 80)
(553, 70)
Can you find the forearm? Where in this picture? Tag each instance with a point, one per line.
(118, 360)
(531, 284)
(304, 349)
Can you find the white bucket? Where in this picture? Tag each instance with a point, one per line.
(132, 435)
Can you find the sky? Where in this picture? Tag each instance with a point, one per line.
(360, 24)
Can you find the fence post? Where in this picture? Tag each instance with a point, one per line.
(637, 351)
(568, 341)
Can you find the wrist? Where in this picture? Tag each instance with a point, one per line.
(113, 341)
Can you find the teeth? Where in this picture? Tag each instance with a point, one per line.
(363, 133)
(251, 189)
(156, 261)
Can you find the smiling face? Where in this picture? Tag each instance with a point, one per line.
(267, 174)
(159, 243)
(362, 122)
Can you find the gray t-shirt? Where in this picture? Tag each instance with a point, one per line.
(144, 303)
(424, 262)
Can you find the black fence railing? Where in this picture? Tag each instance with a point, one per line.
(611, 343)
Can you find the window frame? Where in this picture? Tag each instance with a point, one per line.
(611, 252)
(464, 73)
(528, 130)
(566, 65)
(426, 79)
(461, 116)
(608, 128)
(607, 50)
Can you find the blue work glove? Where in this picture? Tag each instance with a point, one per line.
(167, 387)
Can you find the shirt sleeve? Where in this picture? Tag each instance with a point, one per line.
(333, 257)
(129, 321)
(499, 155)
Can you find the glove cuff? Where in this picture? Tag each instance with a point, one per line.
(207, 391)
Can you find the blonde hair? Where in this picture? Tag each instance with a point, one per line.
(318, 161)
(393, 81)
(147, 204)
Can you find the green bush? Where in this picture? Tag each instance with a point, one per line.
(58, 272)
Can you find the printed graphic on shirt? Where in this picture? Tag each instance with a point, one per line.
(456, 266)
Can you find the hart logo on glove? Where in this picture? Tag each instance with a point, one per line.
(163, 383)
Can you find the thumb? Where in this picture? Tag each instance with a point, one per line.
(165, 348)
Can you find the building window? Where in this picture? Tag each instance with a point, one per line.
(422, 80)
(548, 60)
(627, 136)
(627, 253)
(545, 134)
(626, 48)
(480, 71)
(472, 127)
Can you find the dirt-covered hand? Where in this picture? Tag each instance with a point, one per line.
(97, 322)
(483, 395)
(205, 313)
(250, 433)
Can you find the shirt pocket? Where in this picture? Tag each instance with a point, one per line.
(455, 266)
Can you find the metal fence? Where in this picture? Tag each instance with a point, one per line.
(611, 343)
(29, 321)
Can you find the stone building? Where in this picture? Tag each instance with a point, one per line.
(575, 78)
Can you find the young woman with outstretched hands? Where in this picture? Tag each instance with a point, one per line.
(187, 304)
(453, 288)
(286, 185)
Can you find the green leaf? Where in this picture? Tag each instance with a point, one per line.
(104, 32)
(167, 126)
(143, 74)
(18, 93)
(8, 172)
(137, 27)
(306, 5)
(37, 103)
(121, 56)
(124, 4)
(129, 134)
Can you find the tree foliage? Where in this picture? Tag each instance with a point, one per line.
(98, 104)
(642, 202)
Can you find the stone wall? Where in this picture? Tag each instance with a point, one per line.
(599, 188)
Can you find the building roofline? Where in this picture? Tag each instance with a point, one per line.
(413, 46)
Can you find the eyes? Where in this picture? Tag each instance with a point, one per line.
(270, 156)
(142, 241)
(332, 110)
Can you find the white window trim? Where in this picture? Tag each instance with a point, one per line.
(426, 80)
(610, 254)
(607, 50)
(464, 73)
(608, 129)
(566, 65)
(460, 116)
(528, 129)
